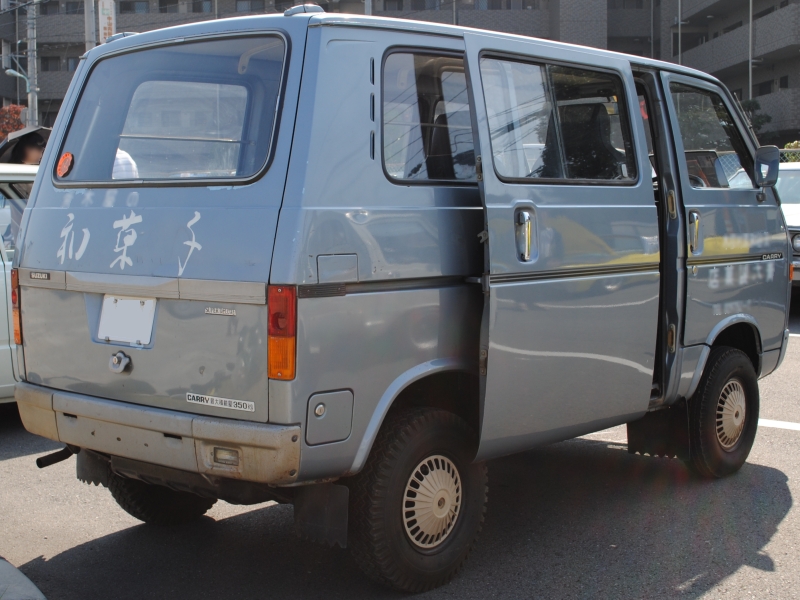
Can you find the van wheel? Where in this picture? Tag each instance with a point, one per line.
(157, 504)
(723, 414)
(417, 507)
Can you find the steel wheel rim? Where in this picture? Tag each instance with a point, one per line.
(432, 501)
(731, 414)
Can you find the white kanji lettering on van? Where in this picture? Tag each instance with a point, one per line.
(125, 226)
(193, 245)
(68, 243)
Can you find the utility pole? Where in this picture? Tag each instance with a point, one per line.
(90, 24)
(367, 7)
(652, 31)
(750, 57)
(33, 79)
(680, 19)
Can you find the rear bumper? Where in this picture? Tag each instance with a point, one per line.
(267, 453)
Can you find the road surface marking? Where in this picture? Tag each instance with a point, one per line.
(779, 424)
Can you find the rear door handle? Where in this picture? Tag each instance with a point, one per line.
(694, 232)
(524, 227)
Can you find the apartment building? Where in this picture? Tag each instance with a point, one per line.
(714, 37)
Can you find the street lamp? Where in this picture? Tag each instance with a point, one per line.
(13, 73)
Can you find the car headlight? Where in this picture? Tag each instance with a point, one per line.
(796, 242)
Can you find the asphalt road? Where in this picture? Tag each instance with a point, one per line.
(579, 519)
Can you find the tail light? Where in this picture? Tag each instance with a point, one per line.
(15, 299)
(282, 332)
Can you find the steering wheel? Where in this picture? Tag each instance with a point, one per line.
(697, 181)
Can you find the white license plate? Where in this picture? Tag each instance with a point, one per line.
(128, 320)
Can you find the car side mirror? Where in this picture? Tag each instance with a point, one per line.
(768, 160)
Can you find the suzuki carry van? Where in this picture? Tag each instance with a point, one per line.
(341, 261)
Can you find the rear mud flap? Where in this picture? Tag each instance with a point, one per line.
(320, 513)
(662, 433)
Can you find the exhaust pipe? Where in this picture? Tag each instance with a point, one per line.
(56, 457)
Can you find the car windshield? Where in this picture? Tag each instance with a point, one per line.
(789, 186)
(201, 110)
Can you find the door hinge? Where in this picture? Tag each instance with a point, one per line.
(483, 361)
(479, 168)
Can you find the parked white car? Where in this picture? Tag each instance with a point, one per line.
(15, 187)
(789, 190)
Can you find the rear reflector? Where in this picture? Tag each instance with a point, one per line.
(15, 304)
(281, 340)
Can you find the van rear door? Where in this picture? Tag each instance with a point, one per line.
(570, 326)
(147, 252)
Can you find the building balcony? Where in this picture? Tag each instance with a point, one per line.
(628, 23)
(53, 84)
(784, 108)
(775, 37)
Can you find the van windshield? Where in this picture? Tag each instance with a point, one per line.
(203, 110)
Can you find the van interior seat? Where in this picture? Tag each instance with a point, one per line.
(586, 131)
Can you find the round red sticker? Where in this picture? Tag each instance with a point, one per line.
(64, 164)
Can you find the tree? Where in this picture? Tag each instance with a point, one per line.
(10, 120)
(751, 108)
(792, 156)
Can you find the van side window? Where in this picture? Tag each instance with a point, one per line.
(716, 155)
(557, 123)
(427, 128)
(199, 110)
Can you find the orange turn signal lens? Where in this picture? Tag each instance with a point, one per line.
(791, 271)
(281, 358)
(282, 329)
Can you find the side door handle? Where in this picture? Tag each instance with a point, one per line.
(694, 232)
(524, 233)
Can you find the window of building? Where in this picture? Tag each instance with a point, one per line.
(393, 4)
(49, 8)
(716, 155)
(612, 4)
(51, 63)
(249, 5)
(167, 6)
(427, 128)
(72, 63)
(716, 34)
(48, 118)
(762, 89)
(763, 13)
(74, 8)
(784, 3)
(585, 136)
(131, 7)
(201, 6)
(784, 82)
(730, 28)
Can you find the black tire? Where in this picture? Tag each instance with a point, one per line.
(157, 504)
(726, 369)
(380, 539)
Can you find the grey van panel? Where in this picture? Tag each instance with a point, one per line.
(221, 356)
(571, 333)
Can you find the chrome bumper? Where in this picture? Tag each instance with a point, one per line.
(267, 453)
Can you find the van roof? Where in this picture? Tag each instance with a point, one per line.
(265, 22)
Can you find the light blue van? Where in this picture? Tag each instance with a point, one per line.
(342, 261)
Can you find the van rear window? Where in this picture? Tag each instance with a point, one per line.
(203, 110)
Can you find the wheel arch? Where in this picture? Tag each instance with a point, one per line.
(737, 331)
(433, 384)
